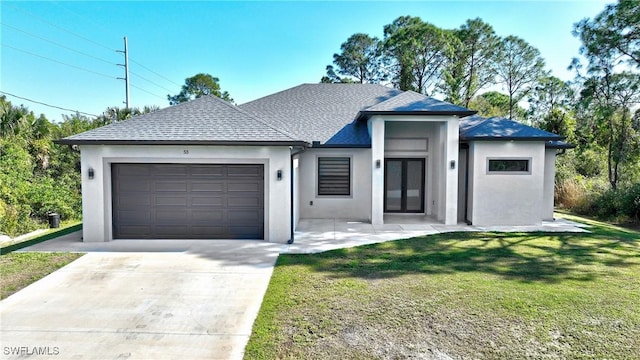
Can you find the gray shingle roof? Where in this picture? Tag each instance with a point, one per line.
(497, 128)
(413, 102)
(317, 112)
(327, 113)
(204, 120)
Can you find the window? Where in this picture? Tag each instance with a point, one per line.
(334, 176)
(521, 166)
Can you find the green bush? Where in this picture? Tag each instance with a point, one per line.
(630, 202)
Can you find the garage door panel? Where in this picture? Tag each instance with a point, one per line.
(135, 231)
(216, 216)
(211, 231)
(134, 184)
(245, 171)
(135, 171)
(171, 200)
(169, 170)
(167, 231)
(135, 200)
(244, 201)
(188, 201)
(133, 217)
(199, 201)
(244, 187)
(207, 170)
(211, 186)
(245, 232)
(243, 216)
(171, 186)
(169, 216)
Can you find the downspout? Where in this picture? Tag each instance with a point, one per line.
(292, 154)
(466, 187)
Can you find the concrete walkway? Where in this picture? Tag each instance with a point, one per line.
(318, 235)
(164, 299)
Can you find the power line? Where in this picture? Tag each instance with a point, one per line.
(59, 62)
(57, 44)
(147, 80)
(153, 72)
(56, 26)
(148, 92)
(93, 42)
(86, 39)
(45, 104)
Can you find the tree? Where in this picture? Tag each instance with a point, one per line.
(332, 78)
(199, 85)
(550, 103)
(608, 94)
(607, 101)
(419, 52)
(116, 114)
(493, 103)
(519, 66)
(13, 119)
(614, 33)
(471, 67)
(361, 59)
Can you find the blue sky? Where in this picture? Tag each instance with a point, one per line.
(255, 48)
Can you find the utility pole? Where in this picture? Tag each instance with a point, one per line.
(126, 70)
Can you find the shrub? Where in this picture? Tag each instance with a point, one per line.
(630, 202)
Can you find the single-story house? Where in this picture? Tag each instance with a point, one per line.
(209, 169)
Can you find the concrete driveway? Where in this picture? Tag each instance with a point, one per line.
(184, 300)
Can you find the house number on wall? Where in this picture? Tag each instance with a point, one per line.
(186, 152)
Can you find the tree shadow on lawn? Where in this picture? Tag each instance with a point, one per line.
(528, 257)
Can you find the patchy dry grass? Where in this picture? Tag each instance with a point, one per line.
(458, 295)
(19, 269)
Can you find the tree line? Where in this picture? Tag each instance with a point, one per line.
(597, 110)
(38, 177)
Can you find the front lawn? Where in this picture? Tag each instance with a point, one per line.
(458, 295)
(17, 270)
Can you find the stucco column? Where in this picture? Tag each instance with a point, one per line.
(376, 131)
(451, 174)
(549, 183)
(93, 206)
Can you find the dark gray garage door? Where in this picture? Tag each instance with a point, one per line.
(187, 201)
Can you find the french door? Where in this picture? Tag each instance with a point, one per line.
(404, 185)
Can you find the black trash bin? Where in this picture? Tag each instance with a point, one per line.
(54, 220)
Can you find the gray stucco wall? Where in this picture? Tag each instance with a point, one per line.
(507, 199)
(357, 206)
(96, 192)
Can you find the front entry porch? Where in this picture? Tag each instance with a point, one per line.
(318, 235)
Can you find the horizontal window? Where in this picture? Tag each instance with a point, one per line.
(509, 166)
(334, 176)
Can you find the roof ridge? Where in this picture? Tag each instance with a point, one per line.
(256, 118)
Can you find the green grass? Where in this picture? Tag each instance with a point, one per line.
(465, 295)
(67, 228)
(19, 269)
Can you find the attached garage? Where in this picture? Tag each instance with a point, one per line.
(187, 201)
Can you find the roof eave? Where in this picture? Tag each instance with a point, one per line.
(459, 113)
(342, 146)
(560, 146)
(511, 138)
(180, 142)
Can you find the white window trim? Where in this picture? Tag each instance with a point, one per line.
(528, 172)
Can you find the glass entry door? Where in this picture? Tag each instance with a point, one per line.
(404, 185)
